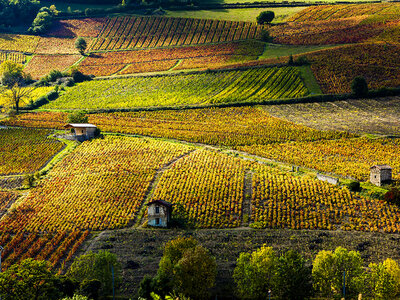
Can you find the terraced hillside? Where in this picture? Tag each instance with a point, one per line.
(205, 88)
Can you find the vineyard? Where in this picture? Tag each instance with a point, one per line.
(56, 248)
(154, 32)
(109, 63)
(109, 177)
(378, 63)
(210, 87)
(329, 32)
(21, 43)
(376, 116)
(41, 65)
(6, 199)
(328, 12)
(216, 126)
(90, 27)
(55, 45)
(13, 56)
(25, 150)
(207, 186)
(280, 200)
(342, 156)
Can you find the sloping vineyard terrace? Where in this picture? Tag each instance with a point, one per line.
(153, 32)
(25, 150)
(216, 126)
(201, 88)
(101, 185)
(108, 63)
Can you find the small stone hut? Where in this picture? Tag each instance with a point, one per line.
(380, 174)
(81, 132)
(159, 213)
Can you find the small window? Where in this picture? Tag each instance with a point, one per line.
(375, 176)
(157, 221)
(157, 209)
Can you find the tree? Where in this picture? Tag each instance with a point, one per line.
(195, 273)
(330, 269)
(80, 45)
(384, 279)
(14, 84)
(96, 266)
(188, 267)
(294, 277)
(265, 17)
(43, 20)
(30, 279)
(359, 86)
(78, 117)
(256, 273)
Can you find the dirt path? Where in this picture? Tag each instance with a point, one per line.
(153, 184)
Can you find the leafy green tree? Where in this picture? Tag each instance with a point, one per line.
(96, 266)
(14, 84)
(330, 267)
(43, 21)
(359, 86)
(256, 273)
(78, 117)
(30, 280)
(294, 277)
(188, 267)
(265, 17)
(384, 280)
(81, 45)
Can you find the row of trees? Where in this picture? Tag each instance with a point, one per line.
(92, 275)
(187, 268)
(188, 271)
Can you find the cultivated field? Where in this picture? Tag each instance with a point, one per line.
(375, 116)
(203, 88)
(25, 150)
(215, 126)
(151, 32)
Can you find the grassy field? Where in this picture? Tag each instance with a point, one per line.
(202, 88)
(245, 14)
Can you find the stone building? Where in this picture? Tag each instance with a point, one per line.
(159, 213)
(380, 174)
(81, 132)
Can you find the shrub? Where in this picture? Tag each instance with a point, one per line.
(265, 17)
(265, 36)
(393, 196)
(354, 186)
(359, 86)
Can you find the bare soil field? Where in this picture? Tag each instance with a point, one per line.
(374, 116)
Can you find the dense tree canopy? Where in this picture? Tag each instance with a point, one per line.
(15, 12)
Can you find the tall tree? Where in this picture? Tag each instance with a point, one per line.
(332, 270)
(256, 273)
(14, 84)
(384, 280)
(187, 267)
(29, 279)
(294, 277)
(99, 267)
(81, 45)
